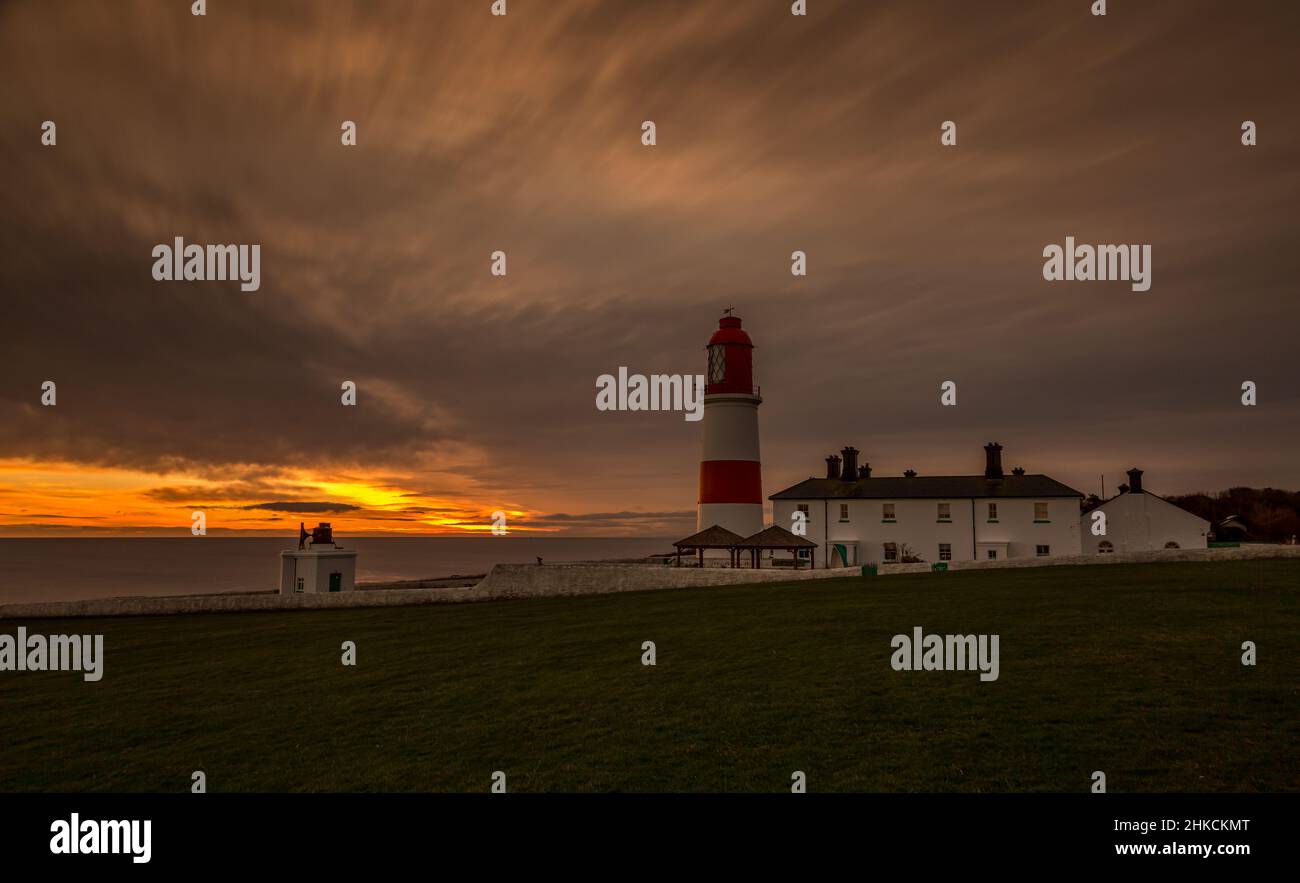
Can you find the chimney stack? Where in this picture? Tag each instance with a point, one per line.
(1135, 480)
(864, 471)
(1123, 489)
(850, 472)
(910, 473)
(993, 460)
(832, 466)
(1019, 470)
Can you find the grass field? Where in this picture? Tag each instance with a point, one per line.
(1131, 669)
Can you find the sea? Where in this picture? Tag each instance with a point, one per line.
(71, 569)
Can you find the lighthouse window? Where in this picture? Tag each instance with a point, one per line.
(717, 363)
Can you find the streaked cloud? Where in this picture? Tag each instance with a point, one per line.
(475, 393)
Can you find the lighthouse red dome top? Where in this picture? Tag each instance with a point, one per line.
(729, 331)
(731, 359)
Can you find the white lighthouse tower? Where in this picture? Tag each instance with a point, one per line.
(731, 482)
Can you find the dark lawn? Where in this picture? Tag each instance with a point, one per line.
(1131, 669)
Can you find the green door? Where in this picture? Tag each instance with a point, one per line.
(336, 582)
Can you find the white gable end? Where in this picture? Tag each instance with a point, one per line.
(1143, 522)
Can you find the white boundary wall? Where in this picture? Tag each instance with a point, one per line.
(559, 580)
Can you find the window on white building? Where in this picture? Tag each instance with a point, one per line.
(992, 554)
(993, 511)
(945, 551)
(1040, 512)
(298, 588)
(945, 511)
(1044, 551)
(844, 511)
(891, 551)
(887, 512)
(1105, 547)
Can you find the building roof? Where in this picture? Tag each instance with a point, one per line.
(927, 487)
(714, 537)
(776, 537)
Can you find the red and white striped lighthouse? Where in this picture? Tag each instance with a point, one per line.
(731, 482)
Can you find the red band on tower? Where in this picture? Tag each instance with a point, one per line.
(731, 481)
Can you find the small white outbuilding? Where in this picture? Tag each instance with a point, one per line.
(318, 565)
(1139, 521)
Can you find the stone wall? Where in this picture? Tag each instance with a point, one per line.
(504, 581)
(228, 603)
(1241, 553)
(557, 580)
(531, 581)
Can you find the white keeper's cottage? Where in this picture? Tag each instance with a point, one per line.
(854, 517)
(1139, 521)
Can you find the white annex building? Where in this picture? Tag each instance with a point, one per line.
(1139, 521)
(855, 518)
(318, 565)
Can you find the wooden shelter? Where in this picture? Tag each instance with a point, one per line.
(714, 537)
(774, 537)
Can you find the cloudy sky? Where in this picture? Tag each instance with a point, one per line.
(523, 133)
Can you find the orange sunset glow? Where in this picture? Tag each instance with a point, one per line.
(54, 499)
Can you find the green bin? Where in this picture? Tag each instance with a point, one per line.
(938, 566)
(868, 570)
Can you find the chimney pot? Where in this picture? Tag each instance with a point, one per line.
(910, 473)
(1135, 480)
(832, 466)
(850, 470)
(993, 460)
(864, 471)
(1019, 470)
